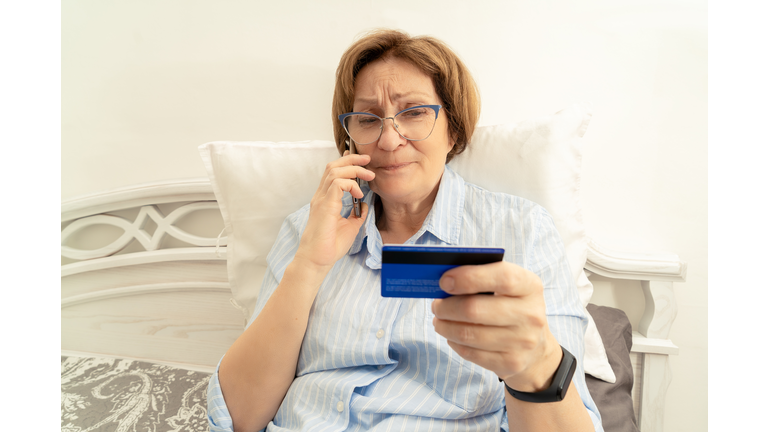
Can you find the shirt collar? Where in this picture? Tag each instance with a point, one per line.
(443, 220)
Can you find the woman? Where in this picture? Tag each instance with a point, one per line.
(324, 351)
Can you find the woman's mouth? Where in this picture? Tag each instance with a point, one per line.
(394, 167)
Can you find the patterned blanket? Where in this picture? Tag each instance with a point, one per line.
(107, 394)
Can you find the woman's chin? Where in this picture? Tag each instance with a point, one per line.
(390, 190)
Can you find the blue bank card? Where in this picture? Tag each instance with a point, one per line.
(414, 271)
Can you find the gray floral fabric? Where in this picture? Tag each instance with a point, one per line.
(118, 395)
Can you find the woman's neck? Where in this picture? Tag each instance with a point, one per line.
(398, 222)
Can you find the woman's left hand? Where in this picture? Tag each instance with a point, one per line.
(506, 333)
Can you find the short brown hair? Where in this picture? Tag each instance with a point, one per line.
(452, 80)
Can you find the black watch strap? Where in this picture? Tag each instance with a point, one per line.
(558, 388)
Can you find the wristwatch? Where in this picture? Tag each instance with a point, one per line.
(556, 391)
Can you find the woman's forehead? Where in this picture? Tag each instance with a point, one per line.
(393, 79)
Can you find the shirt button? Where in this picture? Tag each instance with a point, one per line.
(381, 367)
(340, 406)
(380, 333)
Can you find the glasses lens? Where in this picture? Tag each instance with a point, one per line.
(416, 123)
(413, 124)
(363, 128)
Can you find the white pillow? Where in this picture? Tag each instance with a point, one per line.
(258, 184)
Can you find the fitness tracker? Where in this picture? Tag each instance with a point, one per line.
(558, 388)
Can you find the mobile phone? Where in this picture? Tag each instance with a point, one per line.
(356, 203)
(412, 271)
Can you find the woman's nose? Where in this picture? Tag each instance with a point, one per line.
(390, 139)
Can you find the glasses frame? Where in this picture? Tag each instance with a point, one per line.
(342, 117)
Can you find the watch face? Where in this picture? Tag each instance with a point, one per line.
(569, 362)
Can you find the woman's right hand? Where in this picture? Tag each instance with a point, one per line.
(328, 236)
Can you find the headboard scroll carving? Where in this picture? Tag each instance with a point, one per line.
(136, 230)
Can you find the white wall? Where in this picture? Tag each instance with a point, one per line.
(144, 83)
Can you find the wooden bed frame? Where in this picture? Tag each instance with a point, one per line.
(157, 292)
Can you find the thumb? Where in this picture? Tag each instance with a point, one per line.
(363, 214)
(352, 224)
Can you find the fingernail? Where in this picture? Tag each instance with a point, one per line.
(447, 283)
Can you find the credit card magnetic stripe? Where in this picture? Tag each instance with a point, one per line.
(440, 258)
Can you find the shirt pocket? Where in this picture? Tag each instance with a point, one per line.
(457, 381)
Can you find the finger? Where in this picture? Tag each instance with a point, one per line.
(345, 161)
(363, 213)
(501, 277)
(491, 360)
(336, 189)
(351, 225)
(344, 172)
(348, 159)
(350, 172)
(487, 338)
(493, 310)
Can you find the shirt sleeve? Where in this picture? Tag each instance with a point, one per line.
(566, 316)
(281, 254)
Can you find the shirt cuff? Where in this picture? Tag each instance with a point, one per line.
(219, 419)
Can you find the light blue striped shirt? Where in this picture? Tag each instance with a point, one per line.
(374, 363)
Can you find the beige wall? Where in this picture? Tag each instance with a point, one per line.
(144, 83)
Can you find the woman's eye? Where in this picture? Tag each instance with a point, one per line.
(366, 120)
(414, 113)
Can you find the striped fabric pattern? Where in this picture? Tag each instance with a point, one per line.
(374, 363)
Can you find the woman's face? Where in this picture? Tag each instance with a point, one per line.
(407, 172)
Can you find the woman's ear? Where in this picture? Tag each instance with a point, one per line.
(450, 154)
(453, 143)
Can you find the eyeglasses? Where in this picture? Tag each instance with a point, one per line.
(414, 124)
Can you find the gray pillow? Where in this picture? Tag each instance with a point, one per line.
(614, 401)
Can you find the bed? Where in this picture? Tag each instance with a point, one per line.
(158, 279)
